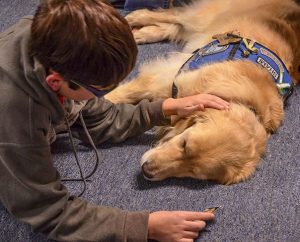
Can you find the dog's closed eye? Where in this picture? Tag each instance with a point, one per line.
(183, 144)
(186, 151)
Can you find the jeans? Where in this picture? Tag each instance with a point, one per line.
(131, 5)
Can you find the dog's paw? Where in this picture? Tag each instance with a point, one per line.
(148, 34)
(140, 36)
(140, 17)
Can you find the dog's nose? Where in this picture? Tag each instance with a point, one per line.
(146, 170)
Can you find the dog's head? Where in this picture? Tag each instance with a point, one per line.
(223, 146)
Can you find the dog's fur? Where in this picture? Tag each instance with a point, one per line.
(224, 146)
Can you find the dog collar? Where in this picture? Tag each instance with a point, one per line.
(230, 46)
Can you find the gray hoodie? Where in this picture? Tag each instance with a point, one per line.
(30, 186)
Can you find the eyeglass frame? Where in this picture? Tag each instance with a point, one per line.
(97, 92)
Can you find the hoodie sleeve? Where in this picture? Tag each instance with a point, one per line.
(31, 188)
(117, 122)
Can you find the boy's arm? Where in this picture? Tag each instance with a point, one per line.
(116, 122)
(30, 189)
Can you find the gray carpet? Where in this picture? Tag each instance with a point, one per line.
(264, 208)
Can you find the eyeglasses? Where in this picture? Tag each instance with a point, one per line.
(98, 92)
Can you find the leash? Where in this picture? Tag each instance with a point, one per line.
(83, 179)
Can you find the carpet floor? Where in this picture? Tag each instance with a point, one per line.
(265, 208)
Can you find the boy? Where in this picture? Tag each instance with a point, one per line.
(51, 68)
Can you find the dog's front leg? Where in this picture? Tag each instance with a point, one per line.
(145, 17)
(131, 92)
(156, 33)
(154, 81)
(154, 26)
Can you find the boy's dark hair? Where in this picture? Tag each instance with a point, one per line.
(83, 40)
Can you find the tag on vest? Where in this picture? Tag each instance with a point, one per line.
(267, 66)
(273, 57)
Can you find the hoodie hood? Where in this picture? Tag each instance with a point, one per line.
(24, 70)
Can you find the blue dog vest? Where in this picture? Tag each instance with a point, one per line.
(214, 52)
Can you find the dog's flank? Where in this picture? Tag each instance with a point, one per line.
(224, 146)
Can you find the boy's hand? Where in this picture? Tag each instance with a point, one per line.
(187, 105)
(177, 226)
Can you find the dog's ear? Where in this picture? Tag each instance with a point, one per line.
(177, 128)
(292, 17)
(187, 122)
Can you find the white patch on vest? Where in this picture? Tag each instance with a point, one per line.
(213, 49)
(273, 57)
(267, 66)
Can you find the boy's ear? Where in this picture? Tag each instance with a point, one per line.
(54, 80)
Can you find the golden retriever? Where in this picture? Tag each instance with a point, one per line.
(223, 146)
